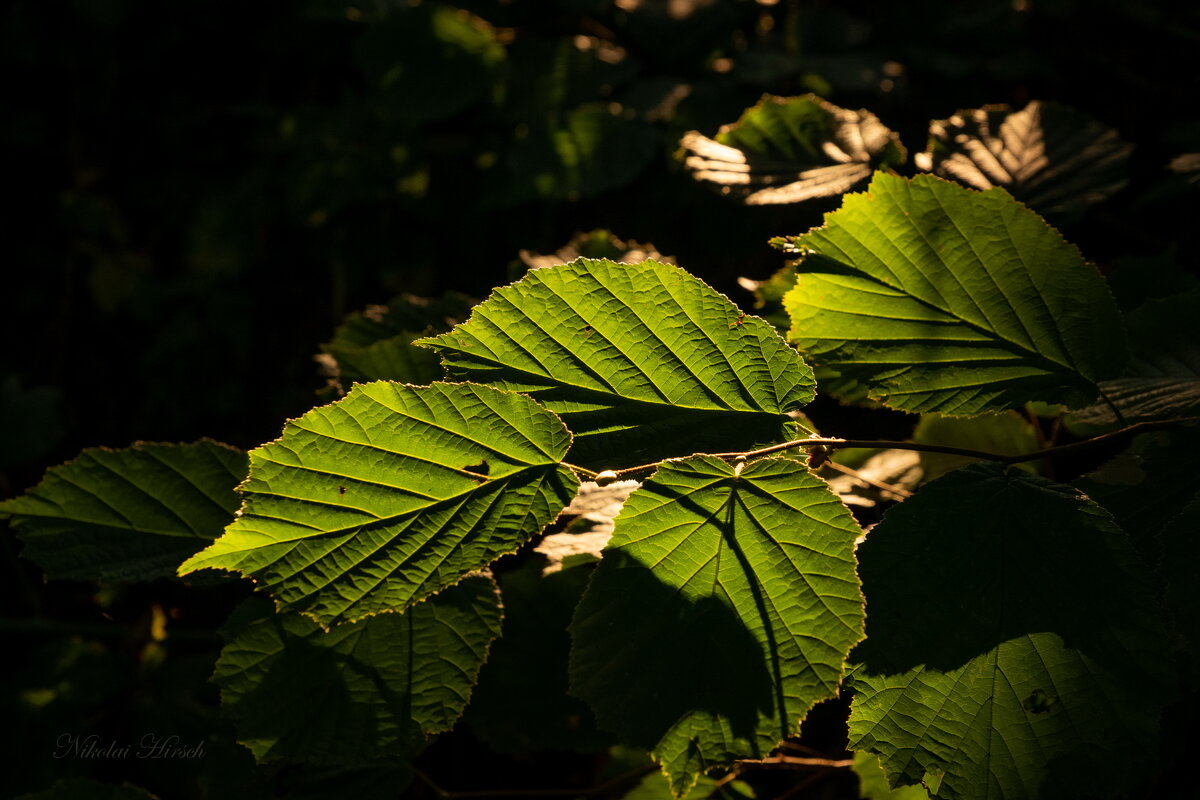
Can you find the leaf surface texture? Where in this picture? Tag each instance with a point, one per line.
(380, 499)
(722, 610)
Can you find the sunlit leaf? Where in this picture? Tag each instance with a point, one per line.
(132, 514)
(642, 361)
(1052, 157)
(358, 692)
(380, 499)
(873, 783)
(1013, 645)
(722, 610)
(789, 149)
(938, 298)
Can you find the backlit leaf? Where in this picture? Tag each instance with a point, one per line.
(391, 494)
(1052, 157)
(722, 610)
(789, 149)
(642, 361)
(358, 692)
(132, 514)
(938, 298)
(1013, 646)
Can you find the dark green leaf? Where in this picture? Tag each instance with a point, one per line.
(938, 298)
(132, 514)
(381, 499)
(376, 344)
(789, 149)
(1162, 379)
(358, 692)
(521, 703)
(722, 610)
(1013, 645)
(428, 60)
(642, 361)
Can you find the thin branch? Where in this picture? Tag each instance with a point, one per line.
(797, 762)
(838, 444)
(584, 470)
(599, 789)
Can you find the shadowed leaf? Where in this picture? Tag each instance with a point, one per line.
(722, 610)
(1053, 157)
(359, 692)
(1013, 645)
(132, 514)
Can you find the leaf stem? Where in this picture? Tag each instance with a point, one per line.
(838, 444)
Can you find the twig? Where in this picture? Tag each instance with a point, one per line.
(838, 444)
(797, 762)
(584, 470)
(599, 789)
(1116, 411)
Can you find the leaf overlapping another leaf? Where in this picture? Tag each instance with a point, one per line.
(362, 691)
(131, 514)
(642, 361)
(1013, 643)
(1053, 157)
(789, 149)
(723, 609)
(387, 496)
(933, 297)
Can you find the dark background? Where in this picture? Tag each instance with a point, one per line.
(200, 191)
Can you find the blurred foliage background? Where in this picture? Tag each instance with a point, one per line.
(200, 192)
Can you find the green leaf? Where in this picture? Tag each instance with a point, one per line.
(1181, 554)
(1052, 157)
(1148, 484)
(940, 298)
(769, 294)
(428, 61)
(1162, 379)
(789, 149)
(580, 153)
(873, 783)
(1013, 644)
(383, 498)
(87, 789)
(723, 609)
(1006, 434)
(596, 244)
(358, 692)
(376, 344)
(642, 361)
(521, 704)
(132, 514)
